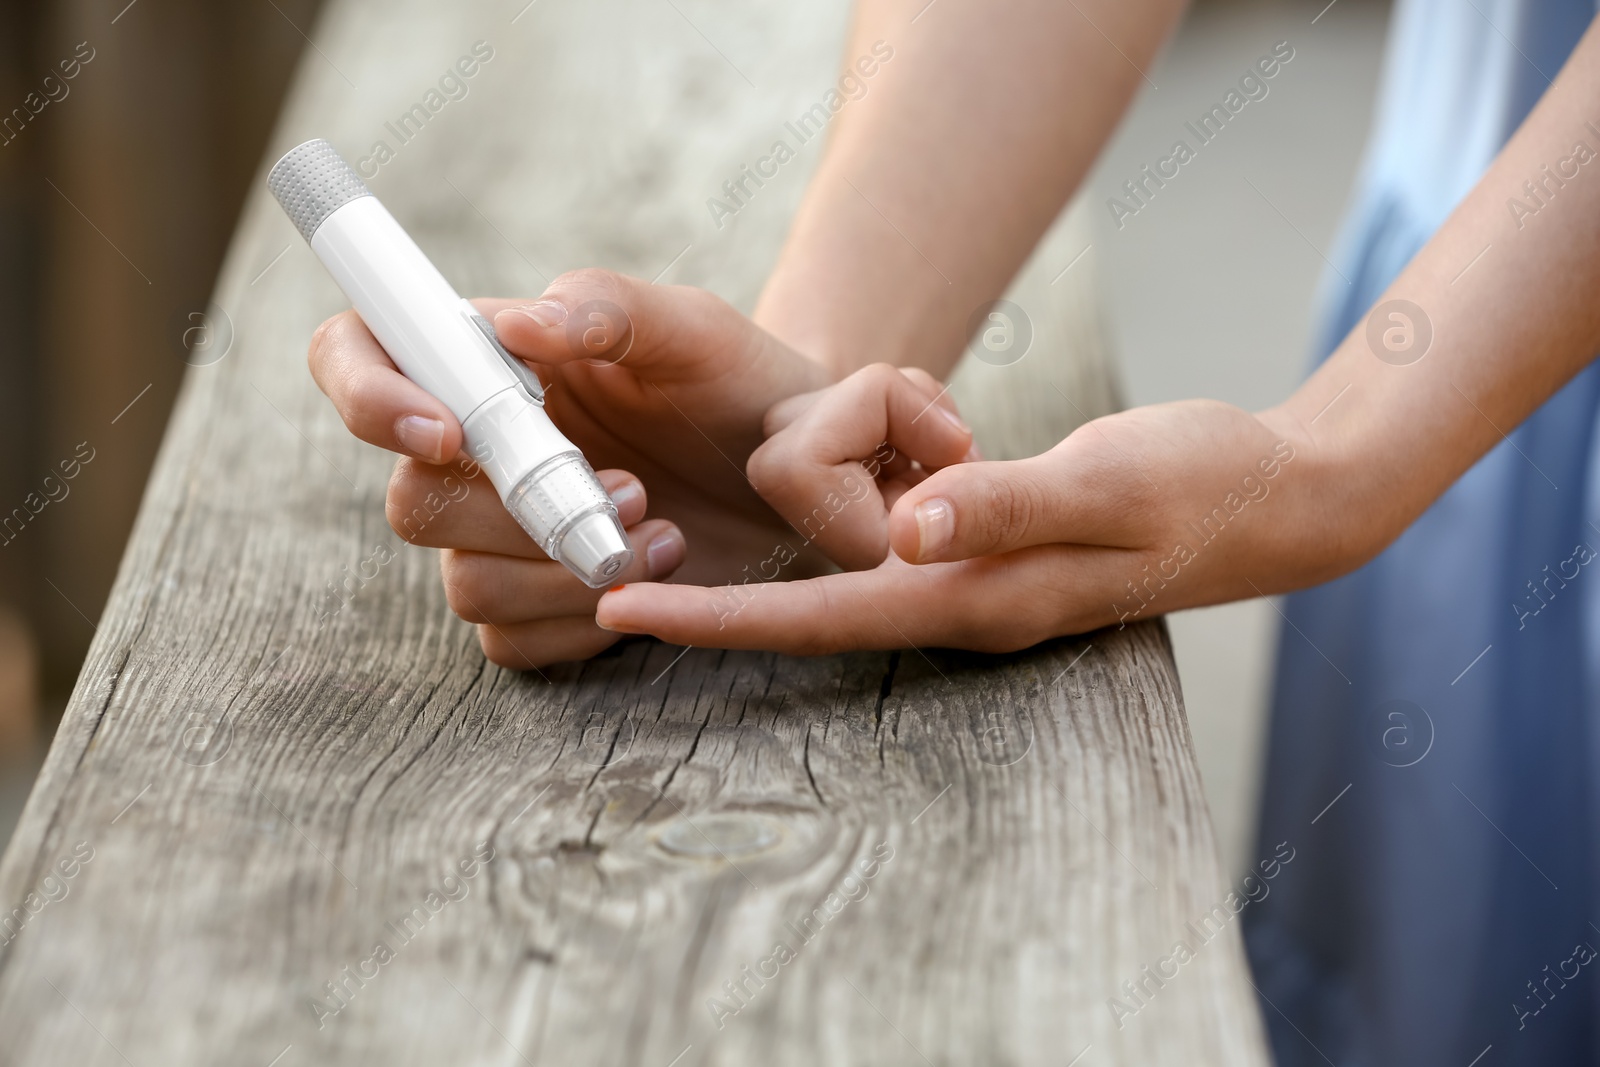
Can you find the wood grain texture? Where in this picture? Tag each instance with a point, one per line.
(259, 783)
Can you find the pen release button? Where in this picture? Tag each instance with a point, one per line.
(524, 374)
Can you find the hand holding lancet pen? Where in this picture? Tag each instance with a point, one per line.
(441, 343)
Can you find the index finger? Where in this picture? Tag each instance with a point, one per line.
(830, 456)
(800, 618)
(378, 404)
(990, 604)
(894, 606)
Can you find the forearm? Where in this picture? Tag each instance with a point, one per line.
(1513, 299)
(936, 185)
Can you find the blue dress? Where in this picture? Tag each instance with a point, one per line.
(1434, 754)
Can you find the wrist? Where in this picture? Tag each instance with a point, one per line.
(845, 303)
(1346, 512)
(841, 341)
(807, 335)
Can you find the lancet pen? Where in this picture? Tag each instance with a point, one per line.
(439, 341)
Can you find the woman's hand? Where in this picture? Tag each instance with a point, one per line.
(529, 610)
(1111, 524)
(836, 460)
(1132, 516)
(664, 389)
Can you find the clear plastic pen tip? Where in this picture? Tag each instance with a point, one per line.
(565, 509)
(595, 549)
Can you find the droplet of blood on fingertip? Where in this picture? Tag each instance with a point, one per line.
(614, 588)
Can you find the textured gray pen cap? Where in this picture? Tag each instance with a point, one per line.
(312, 181)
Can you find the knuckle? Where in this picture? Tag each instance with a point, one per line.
(699, 319)
(997, 626)
(524, 650)
(1010, 508)
(347, 403)
(994, 640)
(703, 301)
(330, 337)
(601, 305)
(773, 421)
(589, 283)
(319, 340)
(502, 651)
(769, 469)
(879, 377)
(403, 502)
(322, 337)
(496, 653)
(465, 584)
(921, 379)
(840, 630)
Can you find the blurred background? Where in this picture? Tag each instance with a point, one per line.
(119, 188)
(1210, 291)
(119, 194)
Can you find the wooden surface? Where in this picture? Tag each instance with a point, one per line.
(573, 869)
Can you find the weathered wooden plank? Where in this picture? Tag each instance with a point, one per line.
(256, 785)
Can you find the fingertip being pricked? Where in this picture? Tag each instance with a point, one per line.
(612, 612)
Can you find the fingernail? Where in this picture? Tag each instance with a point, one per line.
(626, 494)
(544, 313)
(422, 436)
(936, 526)
(974, 454)
(665, 553)
(955, 420)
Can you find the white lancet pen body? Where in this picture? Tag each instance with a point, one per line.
(439, 341)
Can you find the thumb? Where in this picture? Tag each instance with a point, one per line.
(605, 317)
(985, 508)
